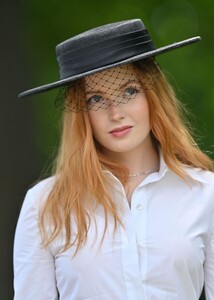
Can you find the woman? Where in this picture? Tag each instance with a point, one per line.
(128, 212)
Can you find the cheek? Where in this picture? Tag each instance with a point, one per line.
(92, 119)
(96, 120)
(141, 109)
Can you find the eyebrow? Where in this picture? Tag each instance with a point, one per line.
(129, 82)
(120, 87)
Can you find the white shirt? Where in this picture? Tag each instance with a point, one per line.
(165, 251)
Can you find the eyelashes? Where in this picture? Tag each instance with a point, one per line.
(94, 99)
(129, 93)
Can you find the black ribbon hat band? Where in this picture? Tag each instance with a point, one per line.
(104, 47)
(105, 52)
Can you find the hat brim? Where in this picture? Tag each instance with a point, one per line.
(155, 52)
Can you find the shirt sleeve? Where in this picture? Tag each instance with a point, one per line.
(34, 269)
(209, 269)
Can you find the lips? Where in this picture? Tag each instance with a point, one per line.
(121, 131)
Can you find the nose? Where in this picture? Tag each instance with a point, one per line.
(116, 111)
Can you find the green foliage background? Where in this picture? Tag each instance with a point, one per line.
(45, 24)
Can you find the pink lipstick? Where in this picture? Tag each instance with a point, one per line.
(120, 131)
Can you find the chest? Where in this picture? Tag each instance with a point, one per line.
(157, 230)
(162, 243)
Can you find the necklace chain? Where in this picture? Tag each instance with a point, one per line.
(142, 173)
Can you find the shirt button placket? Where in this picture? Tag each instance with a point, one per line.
(140, 216)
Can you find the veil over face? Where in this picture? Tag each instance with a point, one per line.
(72, 97)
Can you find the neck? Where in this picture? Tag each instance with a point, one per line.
(144, 158)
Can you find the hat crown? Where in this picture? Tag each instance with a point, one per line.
(98, 34)
(104, 47)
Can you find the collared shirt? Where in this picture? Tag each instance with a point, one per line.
(164, 252)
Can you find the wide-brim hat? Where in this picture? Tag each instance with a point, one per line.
(102, 48)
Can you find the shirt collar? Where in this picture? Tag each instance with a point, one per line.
(195, 174)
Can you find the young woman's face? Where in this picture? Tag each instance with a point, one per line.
(118, 110)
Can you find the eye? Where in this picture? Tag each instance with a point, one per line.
(94, 99)
(131, 91)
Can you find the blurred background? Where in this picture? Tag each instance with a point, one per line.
(30, 31)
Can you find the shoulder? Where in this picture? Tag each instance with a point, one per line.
(202, 183)
(203, 176)
(38, 194)
(44, 186)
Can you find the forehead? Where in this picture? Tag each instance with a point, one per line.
(111, 77)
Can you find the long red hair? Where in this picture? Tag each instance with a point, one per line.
(79, 165)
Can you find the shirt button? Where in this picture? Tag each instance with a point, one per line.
(139, 207)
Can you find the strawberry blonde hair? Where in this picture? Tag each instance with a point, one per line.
(79, 166)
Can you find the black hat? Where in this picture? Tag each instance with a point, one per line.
(104, 47)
